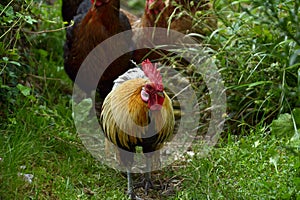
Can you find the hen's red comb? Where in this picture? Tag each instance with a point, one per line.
(99, 3)
(156, 5)
(152, 73)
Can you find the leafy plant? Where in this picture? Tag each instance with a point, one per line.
(288, 125)
(256, 47)
(258, 52)
(250, 167)
(24, 49)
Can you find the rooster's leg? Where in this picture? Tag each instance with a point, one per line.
(130, 191)
(130, 185)
(148, 182)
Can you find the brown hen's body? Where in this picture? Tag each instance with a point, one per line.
(183, 16)
(177, 15)
(155, 15)
(92, 26)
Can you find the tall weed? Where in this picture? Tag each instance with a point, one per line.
(258, 52)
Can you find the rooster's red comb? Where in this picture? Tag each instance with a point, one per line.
(152, 73)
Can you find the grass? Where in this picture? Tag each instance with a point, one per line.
(256, 166)
(42, 157)
(40, 139)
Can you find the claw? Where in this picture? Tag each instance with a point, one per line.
(133, 196)
(147, 184)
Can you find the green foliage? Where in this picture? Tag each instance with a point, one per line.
(288, 125)
(135, 6)
(283, 125)
(254, 167)
(257, 46)
(39, 142)
(28, 47)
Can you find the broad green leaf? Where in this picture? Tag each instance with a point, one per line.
(15, 63)
(283, 125)
(29, 19)
(24, 90)
(82, 110)
(5, 59)
(296, 114)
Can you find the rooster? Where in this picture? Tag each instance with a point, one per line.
(138, 112)
(96, 21)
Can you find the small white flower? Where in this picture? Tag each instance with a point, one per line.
(23, 167)
(190, 153)
(26, 177)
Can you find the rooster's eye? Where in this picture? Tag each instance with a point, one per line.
(161, 94)
(144, 95)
